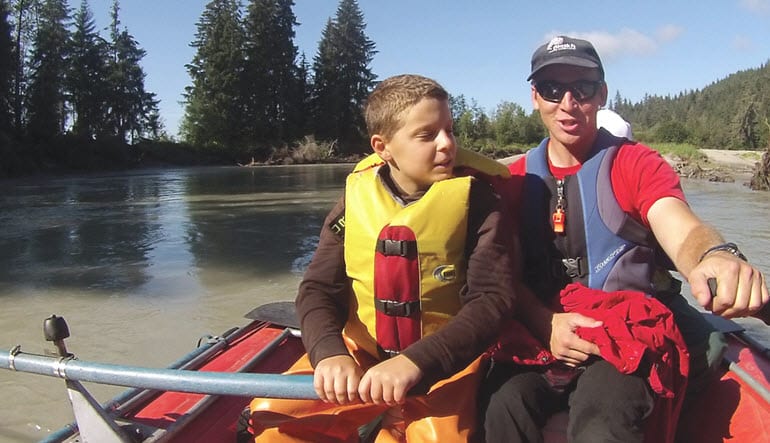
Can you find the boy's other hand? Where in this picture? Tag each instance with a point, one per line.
(336, 379)
(389, 381)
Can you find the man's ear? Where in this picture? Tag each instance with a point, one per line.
(604, 94)
(535, 106)
(380, 147)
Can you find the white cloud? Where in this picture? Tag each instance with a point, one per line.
(760, 6)
(668, 33)
(742, 43)
(626, 42)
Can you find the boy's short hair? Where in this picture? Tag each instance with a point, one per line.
(394, 96)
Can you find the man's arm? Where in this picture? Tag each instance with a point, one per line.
(741, 288)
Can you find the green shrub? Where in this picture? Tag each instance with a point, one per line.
(684, 151)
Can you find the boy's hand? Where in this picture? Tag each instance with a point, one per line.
(566, 345)
(336, 379)
(389, 381)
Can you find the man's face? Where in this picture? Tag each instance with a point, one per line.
(568, 98)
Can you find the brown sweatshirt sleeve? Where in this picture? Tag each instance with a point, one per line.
(488, 296)
(323, 296)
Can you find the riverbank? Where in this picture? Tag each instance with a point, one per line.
(718, 165)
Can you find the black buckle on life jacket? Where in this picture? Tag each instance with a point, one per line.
(401, 248)
(575, 267)
(386, 353)
(397, 308)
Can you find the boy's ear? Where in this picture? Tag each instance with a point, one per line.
(380, 147)
(535, 106)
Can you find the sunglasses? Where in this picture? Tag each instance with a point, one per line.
(582, 90)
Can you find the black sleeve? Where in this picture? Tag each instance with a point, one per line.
(323, 296)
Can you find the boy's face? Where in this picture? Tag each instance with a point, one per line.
(572, 119)
(423, 150)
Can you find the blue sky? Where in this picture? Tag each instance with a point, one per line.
(482, 49)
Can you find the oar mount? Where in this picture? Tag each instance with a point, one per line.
(56, 330)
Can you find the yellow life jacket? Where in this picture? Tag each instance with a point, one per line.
(406, 263)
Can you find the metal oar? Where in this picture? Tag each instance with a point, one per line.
(220, 383)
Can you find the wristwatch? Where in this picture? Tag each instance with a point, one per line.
(732, 248)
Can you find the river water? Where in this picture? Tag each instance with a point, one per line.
(142, 264)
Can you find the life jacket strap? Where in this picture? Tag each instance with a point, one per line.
(401, 248)
(397, 308)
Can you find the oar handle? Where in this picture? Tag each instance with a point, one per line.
(763, 314)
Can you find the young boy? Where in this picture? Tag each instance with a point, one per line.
(409, 283)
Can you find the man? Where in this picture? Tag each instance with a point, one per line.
(609, 214)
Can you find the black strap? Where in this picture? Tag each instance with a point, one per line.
(397, 308)
(575, 267)
(401, 248)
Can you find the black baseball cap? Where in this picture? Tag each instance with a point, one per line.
(566, 51)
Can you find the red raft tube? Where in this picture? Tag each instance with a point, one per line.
(200, 397)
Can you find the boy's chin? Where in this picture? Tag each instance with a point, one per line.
(443, 175)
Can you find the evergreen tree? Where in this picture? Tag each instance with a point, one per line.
(87, 81)
(214, 111)
(303, 94)
(6, 68)
(272, 77)
(130, 108)
(343, 79)
(322, 103)
(24, 18)
(49, 65)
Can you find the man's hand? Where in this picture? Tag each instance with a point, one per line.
(389, 381)
(336, 379)
(566, 345)
(741, 288)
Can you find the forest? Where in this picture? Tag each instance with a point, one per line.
(72, 99)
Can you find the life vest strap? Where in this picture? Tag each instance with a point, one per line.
(397, 308)
(401, 248)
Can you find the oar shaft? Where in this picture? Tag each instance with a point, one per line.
(216, 383)
(752, 382)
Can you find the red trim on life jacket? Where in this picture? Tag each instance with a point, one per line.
(397, 278)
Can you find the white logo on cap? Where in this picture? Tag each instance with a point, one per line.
(557, 44)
